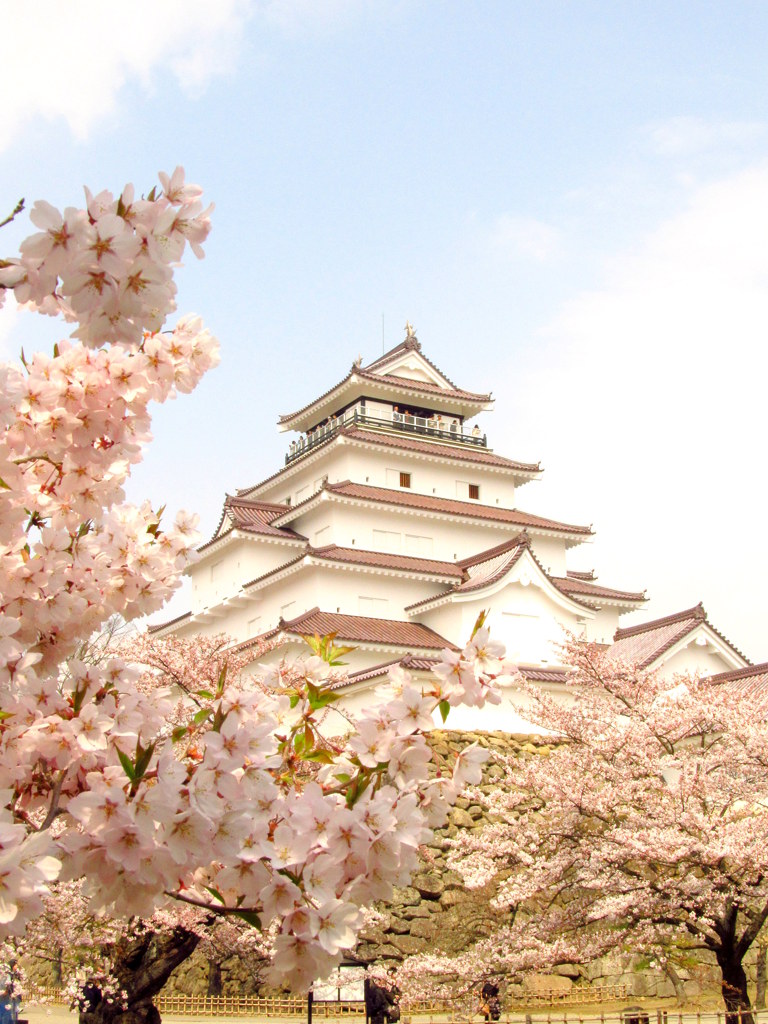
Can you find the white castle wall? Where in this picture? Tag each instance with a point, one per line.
(382, 468)
(221, 572)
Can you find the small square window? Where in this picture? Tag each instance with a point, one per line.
(405, 479)
(474, 491)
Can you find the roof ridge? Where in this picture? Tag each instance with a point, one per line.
(696, 613)
(521, 538)
(468, 508)
(597, 587)
(378, 554)
(448, 448)
(289, 623)
(738, 673)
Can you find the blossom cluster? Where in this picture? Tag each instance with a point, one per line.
(191, 785)
(643, 821)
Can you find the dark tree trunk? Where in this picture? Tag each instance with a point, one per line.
(760, 988)
(674, 977)
(214, 978)
(141, 969)
(58, 967)
(734, 989)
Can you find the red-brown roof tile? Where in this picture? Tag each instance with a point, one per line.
(410, 344)
(751, 681)
(488, 567)
(449, 506)
(647, 642)
(380, 559)
(475, 454)
(404, 383)
(171, 622)
(358, 629)
(253, 517)
(573, 585)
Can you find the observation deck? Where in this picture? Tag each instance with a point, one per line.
(433, 428)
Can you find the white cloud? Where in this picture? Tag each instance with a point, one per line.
(527, 238)
(690, 136)
(71, 60)
(647, 404)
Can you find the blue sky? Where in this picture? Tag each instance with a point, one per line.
(569, 200)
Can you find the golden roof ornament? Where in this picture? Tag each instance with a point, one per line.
(411, 341)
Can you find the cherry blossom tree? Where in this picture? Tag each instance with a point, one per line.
(142, 800)
(645, 827)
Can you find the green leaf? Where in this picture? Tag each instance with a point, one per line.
(215, 893)
(5, 714)
(143, 759)
(204, 693)
(445, 707)
(4, 484)
(152, 194)
(298, 742)
(250, 917)
(319, 755)
(201, 716)
(480, 622)
(343, 777)
(222, 681)
(295, 698)
(179, 733)
(127, 764)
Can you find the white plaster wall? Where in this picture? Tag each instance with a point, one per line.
(551, 552)
(222, 573)
(345, 462)
(380, 529)
(524, 619)
(600, 630)
(696, 659)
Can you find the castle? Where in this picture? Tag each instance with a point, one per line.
(393, 523)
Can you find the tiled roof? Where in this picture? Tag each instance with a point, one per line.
(450, 506)
(574, 575)
(488, 567)
(427, 386)
(751, 681)
(253, 517)
(536, 674)
(573, 585)
(171, 622)
(474, 455)
(358, 629)
(646, 643)
(477, 455)
(483, 572)
(411, 662)
(410, 344)
(379, 559)
(418, 386)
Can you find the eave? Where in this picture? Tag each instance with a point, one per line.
(359, 383)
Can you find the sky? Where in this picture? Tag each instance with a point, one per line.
(569, 200)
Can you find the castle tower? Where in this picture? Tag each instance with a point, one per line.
(393, 524)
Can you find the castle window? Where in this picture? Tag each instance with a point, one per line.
(474, 491)
(405, 479)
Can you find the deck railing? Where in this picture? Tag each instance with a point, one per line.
(428, 428)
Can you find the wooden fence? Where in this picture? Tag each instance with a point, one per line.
(461, 1011)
